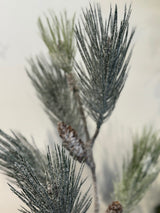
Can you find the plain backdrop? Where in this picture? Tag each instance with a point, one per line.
(139, 103)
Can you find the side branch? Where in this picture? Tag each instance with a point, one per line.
(99, 123)
(82, 115)
(95, 136)
(72, 83)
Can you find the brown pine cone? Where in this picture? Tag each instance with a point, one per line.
(115, 207)
(71, 142)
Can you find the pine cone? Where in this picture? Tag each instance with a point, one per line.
(115, 207)
(71, 142)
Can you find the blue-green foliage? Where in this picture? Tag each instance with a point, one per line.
(139, 170)
(53, 90)
(46, 184)
(103, 46)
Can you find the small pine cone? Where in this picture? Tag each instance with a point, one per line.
(115, 207)
(71, 142)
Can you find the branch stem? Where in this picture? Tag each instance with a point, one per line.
(96, 199)
(83, 116)
(81, 110)
(95, 136)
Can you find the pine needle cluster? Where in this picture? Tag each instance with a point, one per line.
(103, 46)
(12, 149)
(140, 170)
(53, 90)
(45, 183)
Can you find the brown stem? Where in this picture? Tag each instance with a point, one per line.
(83, 117)
(96, 199)
(95, 136)
(92, 166)
(76, 93)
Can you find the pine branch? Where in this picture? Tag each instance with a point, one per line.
(60, 194)
(50, 184)
(46, 184)
(139, 171)
(103, 47)
(58, 36)
(13, 147)
(53, 90)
